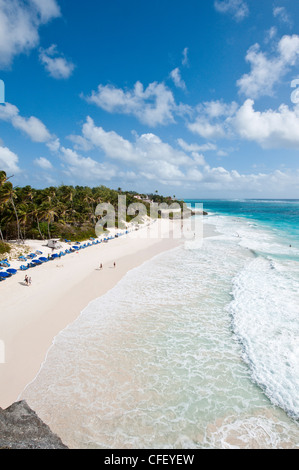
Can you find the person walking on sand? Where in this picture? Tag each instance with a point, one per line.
(26, 280)
(114, 265)
(101, 266)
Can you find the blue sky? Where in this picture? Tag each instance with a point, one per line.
(196, 98)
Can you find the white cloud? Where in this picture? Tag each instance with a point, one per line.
(43, 163)
(148, 158)
(153, 105)
(196, 147)
(266, 72)
(185, 60)
(54, 144)
(19, 26)
(216, 109)
(270, 128)
(198, 158)
(276, 183)
(213, 118)
(177, 79)
(32, 126)
(270, 34)
(282, 14)
(146, 148)
(47, 9)
(85, 168)
(237, 8)
(203, 127)
(9, 161)
(57, 66)
(80, 143)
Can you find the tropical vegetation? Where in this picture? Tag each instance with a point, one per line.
(64, 212)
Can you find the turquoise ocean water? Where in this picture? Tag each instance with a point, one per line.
(197, 348)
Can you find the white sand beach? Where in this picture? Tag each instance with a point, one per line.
(31, 317)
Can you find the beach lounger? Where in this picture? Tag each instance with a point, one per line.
(24, 268)
(5, 264)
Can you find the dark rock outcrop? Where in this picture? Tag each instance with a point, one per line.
(199, 213)
(21, 428)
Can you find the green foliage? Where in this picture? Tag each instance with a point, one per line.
(64, 212)
(4, 248)
(73, 233)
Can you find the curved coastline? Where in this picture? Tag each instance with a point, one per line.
(32, 317)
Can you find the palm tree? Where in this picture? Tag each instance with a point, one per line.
(68, 193)
(23, 214)
(48, 214)
(7, 195)
(1, 210)
(35, 212)
(3, 178)
(49, 195)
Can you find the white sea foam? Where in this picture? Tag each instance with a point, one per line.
(266, 313)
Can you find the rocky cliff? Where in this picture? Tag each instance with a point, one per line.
(21, 428)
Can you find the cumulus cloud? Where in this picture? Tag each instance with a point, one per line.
(237, 8)
(148, 157)
(152, 105)
(57, 66)
(203, 127)
(31, 126)
(53, 144)
(274, 183)
(268, 71)
(85, 168)
(212, 121)
(270, 128)
(19, 26)
(9, 161)
(43, 163)
(147, 147)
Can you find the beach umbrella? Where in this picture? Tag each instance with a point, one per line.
(5, 275)
(43, 260)
(12, 271)
(55, 256)
(38, 252)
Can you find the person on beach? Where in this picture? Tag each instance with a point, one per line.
(26, 280)
(101, 266)
(30, 281)
(114, 264)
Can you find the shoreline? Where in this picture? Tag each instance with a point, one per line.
(31, 317)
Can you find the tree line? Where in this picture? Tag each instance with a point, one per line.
(65, 212)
